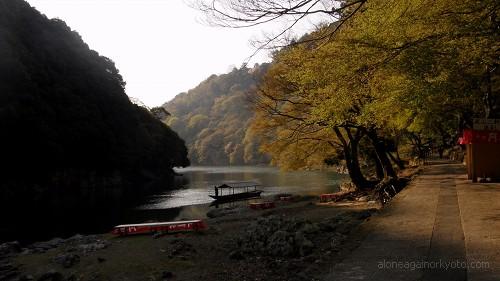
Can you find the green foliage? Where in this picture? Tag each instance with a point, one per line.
(64, 111)
(214, 117)
(415, 67)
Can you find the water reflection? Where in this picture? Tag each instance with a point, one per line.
(195, 184)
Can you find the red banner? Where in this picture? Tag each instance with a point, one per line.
(474, 136)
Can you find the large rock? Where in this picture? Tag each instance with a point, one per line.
(10, 248)
(42, 247)
(56, 242)
(180, 248)
(83, 239)
(304, 245)
(94, 246)
(8, 271)
(276, 236)
(67, 260)
(281, 243)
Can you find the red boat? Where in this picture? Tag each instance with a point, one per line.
(262, 205)
(145, 228)
(331, 196)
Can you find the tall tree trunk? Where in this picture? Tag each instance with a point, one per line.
(488, 96)
(351, 155)
(396, 160)
(379, 170)
(440, 152)
(353, 168)
(381, 151)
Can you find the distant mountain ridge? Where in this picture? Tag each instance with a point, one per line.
(213, 118)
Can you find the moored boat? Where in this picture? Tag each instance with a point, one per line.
(262, 205)
(235, 191)
(145, 228)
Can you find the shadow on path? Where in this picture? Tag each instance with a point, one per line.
(418, 236)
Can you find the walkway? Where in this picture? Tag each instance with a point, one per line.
(441, 227)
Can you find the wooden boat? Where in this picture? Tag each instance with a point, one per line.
(235, 191)
(146, 228)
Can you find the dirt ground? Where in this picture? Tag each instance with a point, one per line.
(212, 254)
(301, 239)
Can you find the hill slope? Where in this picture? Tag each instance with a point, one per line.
(71, 138)
(213, 119)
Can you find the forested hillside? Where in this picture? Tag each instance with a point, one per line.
(71, 138)
(213, 118)
(382, 77)
(387, 77)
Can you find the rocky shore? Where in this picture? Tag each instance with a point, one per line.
(290, 242)
(299, 239)
(64, 253)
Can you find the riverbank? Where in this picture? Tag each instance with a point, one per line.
(296, 240)
(289, 242)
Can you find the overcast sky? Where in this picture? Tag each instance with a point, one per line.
(159, 46)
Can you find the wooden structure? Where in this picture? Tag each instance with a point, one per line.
(147, 228)
(235, 191)
(483, 153)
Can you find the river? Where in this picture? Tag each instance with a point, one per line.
(190, 198)
(187, 200)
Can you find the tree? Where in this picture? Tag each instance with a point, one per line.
(443, 66)
(300, 105)
(415, 68)
(398, 66)
(214, 116)
(241, 13)
(71, 138)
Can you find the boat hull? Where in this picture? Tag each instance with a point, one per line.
(237, 196)
(147, 228)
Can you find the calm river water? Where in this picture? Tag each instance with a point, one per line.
(190, 199)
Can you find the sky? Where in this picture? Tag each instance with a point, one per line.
(160, 46)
